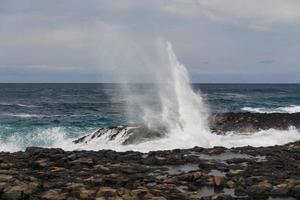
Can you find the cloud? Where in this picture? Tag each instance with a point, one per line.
(256, 12)
(115, 38)
(266, 61)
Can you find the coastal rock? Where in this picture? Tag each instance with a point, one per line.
(252, 122)
(124, 134)
(220, 123)
(261, 189)
(55, 194)
(162, 175)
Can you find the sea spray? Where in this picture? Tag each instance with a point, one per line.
(184, 115)
(183, 111)
(171, 105)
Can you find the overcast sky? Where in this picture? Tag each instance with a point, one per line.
(101, 40)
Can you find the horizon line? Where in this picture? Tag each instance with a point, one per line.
(145, 83)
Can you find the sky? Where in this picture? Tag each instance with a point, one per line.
(232, 41)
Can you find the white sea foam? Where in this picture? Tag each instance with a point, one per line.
(22, 115)
(55, 137)
(287, 109)
(27, 106)
(18, 104)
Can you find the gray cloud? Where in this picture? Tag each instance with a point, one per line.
(112, 39)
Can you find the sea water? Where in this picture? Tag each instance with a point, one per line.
(52, 115)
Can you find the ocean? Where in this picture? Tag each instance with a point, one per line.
(42, 114)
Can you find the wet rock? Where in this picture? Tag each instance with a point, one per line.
(19, 190)
(86, 161)
(222, 197)
(86, 193)
(282, 189)
(106, 192)
(218, 181)
(52, 174)
(252, 122)
(235, 172)
(261, 189)
(5, 178)
(191, 176)
(13, 193)
(141, 193)
(133, 134)
(55, 194)
(296, 190)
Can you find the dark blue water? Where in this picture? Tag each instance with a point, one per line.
(30, 111)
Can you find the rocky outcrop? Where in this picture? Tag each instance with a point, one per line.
(251, 122)
(123, 134)
(220, 124)
(197, 173)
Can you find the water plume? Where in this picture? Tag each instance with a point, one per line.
(182, 111)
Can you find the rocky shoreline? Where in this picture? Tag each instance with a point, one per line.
(218, 173)
(271, 173)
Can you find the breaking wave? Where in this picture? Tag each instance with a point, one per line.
(60, 137)
(18, 104)
(288, 109)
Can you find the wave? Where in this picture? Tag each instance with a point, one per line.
(55, 137)
(18, 104)
(22, 115)
(288, 109)
(60, 137)
(26, 115)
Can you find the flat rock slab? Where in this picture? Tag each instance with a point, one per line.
(252, 122)
(197, 173)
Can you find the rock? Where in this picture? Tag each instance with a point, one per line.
(282, 189)
(81, 161)
(55, 174)
(106, 192)
(296, 190)
(218, 180)
(222, 197)
(19, 190)
(13, 193)
(261, 189)
(234, 172)
(86, 193)
(141, 193)
(5, 178)
(102, 168)
(191, 177)
(252, 122)
(230, 184)
(5, 165)
(55, 194)
(133, 134)
(42, 162)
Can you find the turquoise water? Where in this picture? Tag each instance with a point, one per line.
(39, 114)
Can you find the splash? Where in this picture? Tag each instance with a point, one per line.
(287, 109)
(182, 111)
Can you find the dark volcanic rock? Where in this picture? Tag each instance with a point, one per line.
(41, 173)
(127, 134)
(220, 124)
(251, 122)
